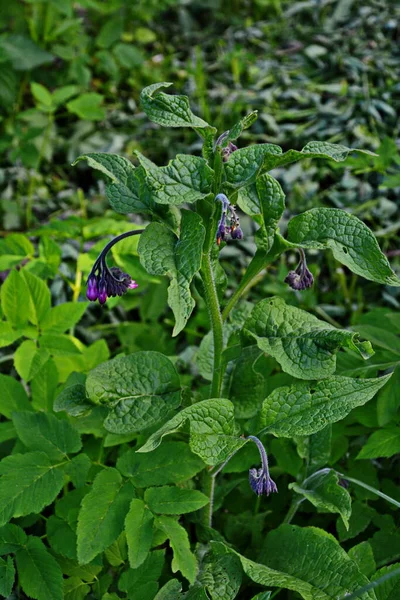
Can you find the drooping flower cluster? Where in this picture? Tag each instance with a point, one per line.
(228, 149)
(260, 479)
(301, 278)
(225, 229)
(105, 282)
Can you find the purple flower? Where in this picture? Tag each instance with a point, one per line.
(301, 278)
(92, 291)
(237, 233)
(223, 230)
(260, 479)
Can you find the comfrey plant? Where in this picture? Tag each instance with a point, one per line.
(129, 512)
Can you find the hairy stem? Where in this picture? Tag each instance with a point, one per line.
(292, 510)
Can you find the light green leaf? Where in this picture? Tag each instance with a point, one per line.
(41, 94)
(382, 443)
(168, 110)
(39, 297)
(351, 241)
(39, 573)
(127, 191)
(184, 560)
(308, 561)
(171, 500)
(213, 434)
(29, 359)
(63, 316)
(13, 396)
(161, 253)
(29, 482)
(143, 389)
(75, 589)
(15, 299)
(59, 344)
(7, 576)
(12, 537)
(304, 346)
(172, 462)
(88, 107)
(265, 202)
(324, 492)
(246, 164)
(306, 407)
(44, 432)
(102, 515)
(8, 335)
(44, 386)
(139, 532)
(117, 553)
(185, 179)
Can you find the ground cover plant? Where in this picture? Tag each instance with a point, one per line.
(234, 467)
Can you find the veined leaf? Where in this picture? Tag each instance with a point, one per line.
(7, 576)
(212, 426)
(142, 582)
(12, 537)
(168, 110)
(304, 408)
(29, 482)
(38, 571)
(102, 515)
(13, 396)
(172, 500)
(15, 299)
(142, 388)
(75, 589)
(39, 297)
(63, 316)
(139, 532)
(304, 346)
(184, 560)
(351, 241)
(384, 442)
(162, 253)
(29, 359)
(185, 179)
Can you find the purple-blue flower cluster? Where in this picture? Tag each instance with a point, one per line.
(233, 229)
(260, 479)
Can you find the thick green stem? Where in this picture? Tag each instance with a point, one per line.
(211, 298)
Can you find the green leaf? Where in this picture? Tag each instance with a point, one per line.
(382, 443)
(88, 107)
(59, 344)
(308, 561)
(363, 556)
(101, 518)
(23, 53)
(213, 434)
(237, 130)
(221, 575)
(29, 359)
(388, 402)
(13, 396)
(172, 462)
(161, 253)
(7, 334)
(139, 532)
(78, 469)
(29, 482)
(351, 241)
(304, 346)
(185, 179)
(61, 537)
(44, 386)
(361, 515)
(142, 582)
(39, 573)
(264, 201)
(169, 591)
(324, 492)
(246, 164)
(7, 576)
(15, 299)
(117, 553)
(171, 500)
(127, 191)
(75, 589)
(39, 297)
(390, 588)
(143, 388)
(167, 110)
(73, 400)
(62, 317)
(42, 431)
(306, 407)
(41, 95)
(242, 376)
(12, 537)
(184, 560)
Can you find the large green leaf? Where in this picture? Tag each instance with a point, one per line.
(29, 482)
(351, 242)
(324, 492)
(265, 202)
(384, 442)
(139, 532)
(39, 573)
(221, 575)
(304, 407)
(168, 110)
(186, 178)
(102, 515)
(184, 560)
(41, 431)
(246, 164)
(308, 561)
(304, 346)
(62, 317)
(172, 500)
(15, 299)
(142, 390)
(162, 253)
(213, 434)
(126, 191)
(171, 462)
(39, 297)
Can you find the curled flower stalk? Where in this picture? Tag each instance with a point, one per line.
(233, 229)
(260, 479)
(104, 281)
(301, 278)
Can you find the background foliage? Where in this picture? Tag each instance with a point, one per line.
(70, 79)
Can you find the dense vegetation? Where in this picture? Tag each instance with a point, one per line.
(275, 318)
